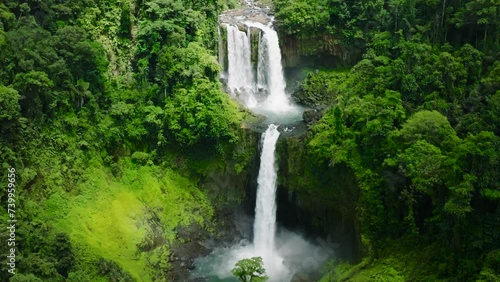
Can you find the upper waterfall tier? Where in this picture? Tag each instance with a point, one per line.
(250, 55)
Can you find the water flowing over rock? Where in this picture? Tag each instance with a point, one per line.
(240, 79)
(253, 72)
(265, 206)
(264, 245)
(253, 75)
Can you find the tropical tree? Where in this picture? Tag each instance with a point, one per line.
(250, 270)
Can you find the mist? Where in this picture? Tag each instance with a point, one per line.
(294, 256)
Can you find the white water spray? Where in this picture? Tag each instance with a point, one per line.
(270, 73)
(265, 206)
(264, 229)
(261, 87)
(240, 73)
(222, 261)
(265, 92)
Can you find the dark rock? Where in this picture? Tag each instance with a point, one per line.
(190, 265)
(244, 242)
(240, 16)
(294, 129)
(311, 116)
(299, 209)
(208, 244)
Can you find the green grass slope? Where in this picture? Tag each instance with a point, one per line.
(129, 219)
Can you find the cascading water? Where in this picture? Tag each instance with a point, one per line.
(240, 80)
(265, 206)
(264, 93)
(270, 73)
(277, 106)
(264, 229)
(261, 87)
(222, 261)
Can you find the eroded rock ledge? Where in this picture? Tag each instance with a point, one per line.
(251, 11)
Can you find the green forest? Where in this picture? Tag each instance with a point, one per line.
(416, 122)
(115, 121)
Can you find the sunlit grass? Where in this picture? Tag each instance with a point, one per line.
(112, 216)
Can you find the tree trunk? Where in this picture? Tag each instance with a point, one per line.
(442, 18)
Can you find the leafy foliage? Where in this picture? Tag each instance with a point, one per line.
(250, 270)
(414, 122)
(96, 99)
(350, 26)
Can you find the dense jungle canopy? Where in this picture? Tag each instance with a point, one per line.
(113, 115)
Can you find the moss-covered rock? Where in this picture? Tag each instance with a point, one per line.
(325, 197)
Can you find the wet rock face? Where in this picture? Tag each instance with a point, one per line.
(252, 11)
(239, 16)
(310, 116)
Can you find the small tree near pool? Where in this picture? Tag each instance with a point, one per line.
(250, 270)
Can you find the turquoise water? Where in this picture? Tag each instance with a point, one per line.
(298, 256)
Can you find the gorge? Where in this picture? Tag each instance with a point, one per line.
(254, 77)
(165, 140)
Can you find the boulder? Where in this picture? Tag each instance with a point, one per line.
(310, 116)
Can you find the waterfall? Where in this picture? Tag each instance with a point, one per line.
(240, 80)
(262, 82)
(265, 206)
(270, 71)
(263, 92)
(259, 84)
